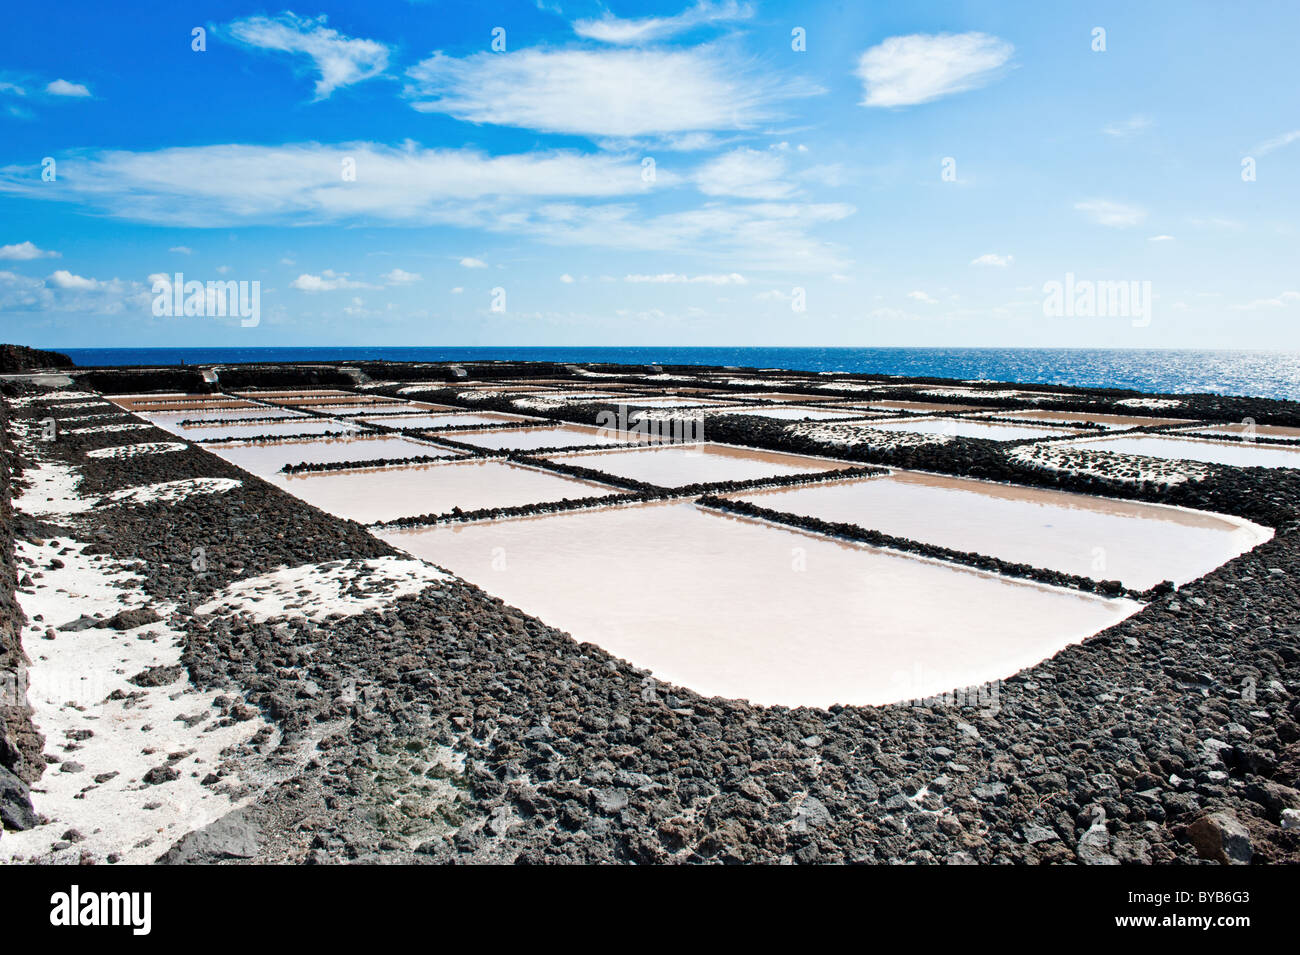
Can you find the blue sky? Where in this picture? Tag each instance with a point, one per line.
(649, 173)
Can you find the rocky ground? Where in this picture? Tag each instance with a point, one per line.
(396, 718)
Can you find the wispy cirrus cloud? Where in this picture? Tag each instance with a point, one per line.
(744, 172)
(1277, 142)
(558, 197)
(907, 70)
(610, 94)
(1129, 127)
(612, 29)
(675, 278)
(300, 184)
(340, 60)
(1110, 213)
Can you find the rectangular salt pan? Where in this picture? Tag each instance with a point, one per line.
(1071, 417)
(529, 439)
(963, 428)
(257, 428)
(681, 464)
(265, 458)
(1242, 454)
(457, 420)
(1136, 543)
(745, 609)
(381, 494)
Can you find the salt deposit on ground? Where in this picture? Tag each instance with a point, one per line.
(1128, 468)
(316, 591)
(130, 758)
(104, 428)
(131, 450)
(848, 435)
(1150, 402)
(169, 492)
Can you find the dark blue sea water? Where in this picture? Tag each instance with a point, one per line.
(1259, 373)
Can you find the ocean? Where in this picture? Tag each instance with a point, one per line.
(1269, 374)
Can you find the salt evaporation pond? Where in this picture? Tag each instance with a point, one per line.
(746, 609)
(255, 429)
(530, 439)
(794, 414)
(1135, 543)
(382, 494)
(1242, 454)
(266, 458)
(965, 428)
(677, 465)
(922, 407)
(1243, 430)
(457, 420)
(1106, 420)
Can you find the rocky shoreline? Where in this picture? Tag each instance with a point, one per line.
(429, 722)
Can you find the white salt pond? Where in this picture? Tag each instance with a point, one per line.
(382, 494)
(792, 397)
(530, 439)
(666, 401)
(785, 413)
(1241, 429)
(1101, 538)
(923, 407)
(220, 416)
(966, 428)
(1073, 417)
(257, 428)
(745, 609)
(1242, 454)
(677, 465)
(265, 458)
(457, 420)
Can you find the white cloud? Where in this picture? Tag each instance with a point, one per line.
(25, 252)
(401, 277)
(457, 290)
(603, 93)
(65, 292)
(1109, 213)
(673, 278)
(181, 249)
(340, 60)
(472, 263)
(1279, 301)
(906, 70)
(1277, 142)
(64, 88)
(992, 258)
(228, 185)
(65, 279)
(558, 197)
(1130, 126)
(744, 172)
(566, 278)
(1161, 238)
(922, 297)
(327, 281)
(612, 29)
